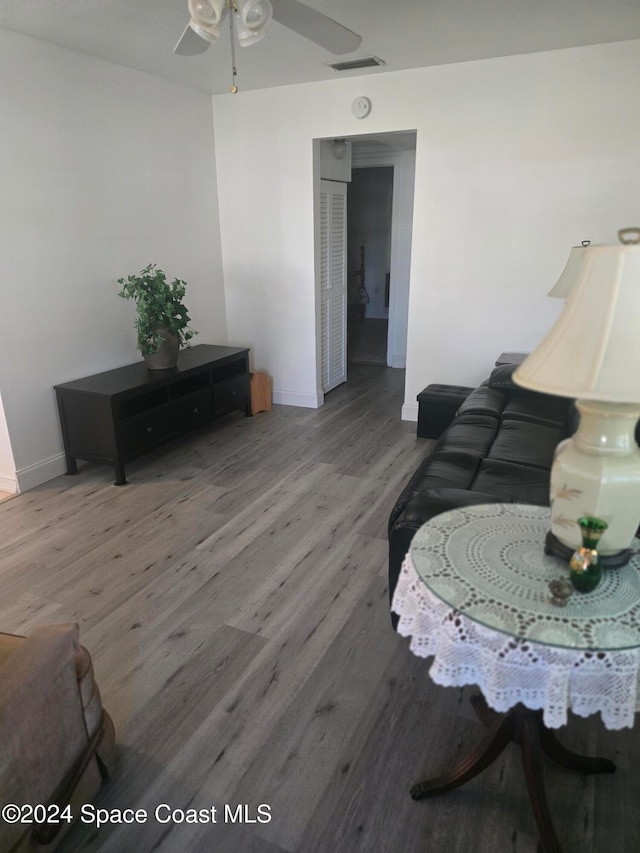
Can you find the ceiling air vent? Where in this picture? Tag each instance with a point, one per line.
(352, 64)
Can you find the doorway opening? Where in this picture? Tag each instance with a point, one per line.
(363, 271)
(369, 217)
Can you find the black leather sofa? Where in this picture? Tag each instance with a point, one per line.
(497, 449)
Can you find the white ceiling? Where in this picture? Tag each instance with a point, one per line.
(405, 33)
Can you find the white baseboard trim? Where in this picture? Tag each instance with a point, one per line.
(298, 398)
(40, 472)
(410, 412)
(9, 484)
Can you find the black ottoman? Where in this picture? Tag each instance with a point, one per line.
(437, 405)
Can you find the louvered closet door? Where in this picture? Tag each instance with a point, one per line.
(333, 283)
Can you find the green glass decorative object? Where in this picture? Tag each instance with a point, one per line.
(585, 565)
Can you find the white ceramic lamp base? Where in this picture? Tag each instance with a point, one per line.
(597, 473)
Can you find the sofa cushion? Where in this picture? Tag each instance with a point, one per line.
(502, 377)
(510, 482)
(473, 434)
(484, 401)
(451, 469)
(519, 404)
(540, 409)
(526, 444)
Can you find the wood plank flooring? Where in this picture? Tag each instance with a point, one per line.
(234, 600)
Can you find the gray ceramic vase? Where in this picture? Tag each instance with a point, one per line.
(166, 356)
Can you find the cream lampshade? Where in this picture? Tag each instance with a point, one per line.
(592, 353)
(563, 285)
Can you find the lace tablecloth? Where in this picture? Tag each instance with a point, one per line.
(473, 593)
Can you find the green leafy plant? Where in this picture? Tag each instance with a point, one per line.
(159, 306)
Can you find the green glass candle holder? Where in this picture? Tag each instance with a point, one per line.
(585, 566)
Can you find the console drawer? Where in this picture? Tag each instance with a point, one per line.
(144, 431)
(191, 410)
(231, 394)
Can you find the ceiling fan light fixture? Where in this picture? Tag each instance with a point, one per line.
(207, 13)
(256, 14)
(247, 38)
(210, 34)
(251, 20)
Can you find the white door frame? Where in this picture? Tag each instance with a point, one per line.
(401, 231)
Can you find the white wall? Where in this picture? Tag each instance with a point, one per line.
(103, 170)
(264, 160)
(401, 236)
(517, 159)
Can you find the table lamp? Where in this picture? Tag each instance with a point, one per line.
(592, 353)
(563, 285)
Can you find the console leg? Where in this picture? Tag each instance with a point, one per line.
(121, 479)
(496, 739)
(72, 466)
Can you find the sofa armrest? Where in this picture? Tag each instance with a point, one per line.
(43, 727)
(422, 507)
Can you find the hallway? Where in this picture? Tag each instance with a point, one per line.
(367, 340)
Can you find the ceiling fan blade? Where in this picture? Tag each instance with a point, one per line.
(315, 26)
(190, 43)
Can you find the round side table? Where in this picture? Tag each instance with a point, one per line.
(474, 595)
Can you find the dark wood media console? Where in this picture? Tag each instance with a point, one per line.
(114, 417)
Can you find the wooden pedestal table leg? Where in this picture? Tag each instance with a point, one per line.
(529, 736)
(571, 760)
(483, 712)
(526, 728)
(499, 735)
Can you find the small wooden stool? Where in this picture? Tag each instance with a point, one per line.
(260, 393)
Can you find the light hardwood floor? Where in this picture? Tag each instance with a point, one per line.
(234, 600)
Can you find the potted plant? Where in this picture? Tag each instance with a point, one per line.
(163, 321)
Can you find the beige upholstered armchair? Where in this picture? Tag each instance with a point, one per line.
(56, 740)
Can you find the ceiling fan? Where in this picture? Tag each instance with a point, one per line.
(249, 18)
